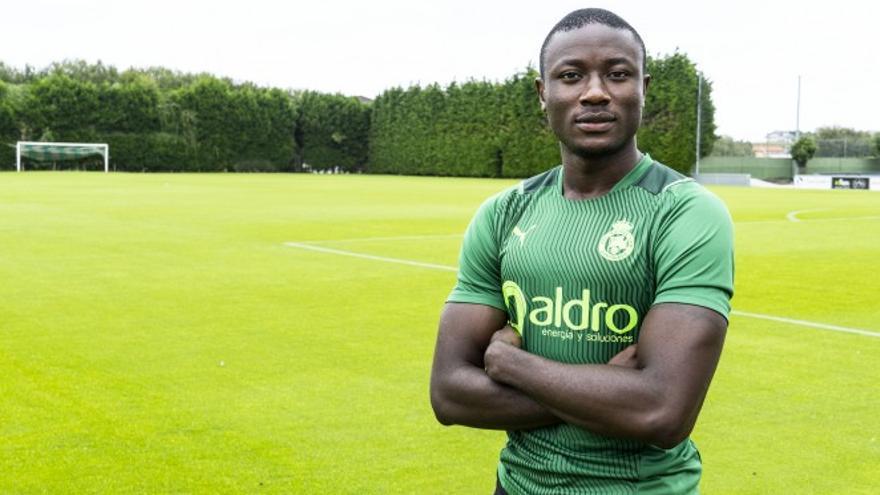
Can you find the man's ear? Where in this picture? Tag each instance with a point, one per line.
(539, 88)
(646, 81)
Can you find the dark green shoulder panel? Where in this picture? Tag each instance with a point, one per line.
(658, 177)
(544, 179)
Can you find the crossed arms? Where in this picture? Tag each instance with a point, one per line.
(481, 378)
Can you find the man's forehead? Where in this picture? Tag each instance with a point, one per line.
(593, 40)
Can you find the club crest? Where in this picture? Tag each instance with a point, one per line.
(617, 243)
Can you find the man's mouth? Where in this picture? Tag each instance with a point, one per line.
(595, 121)
(594, 118)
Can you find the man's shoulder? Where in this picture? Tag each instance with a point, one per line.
(512, 199)
(660, 179)
(539, 183)
(676, 190)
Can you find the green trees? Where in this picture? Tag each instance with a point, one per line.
(156, 119)
(727, 146)
(153, 119)
(331, 131)
(803, 150)
(66, 108)
(669, 120)
(228, 127)
(8, 127)
(842, 142)
(489, 129)
(477, 128)
(459, 130)
(129, 106)
(216, 120)
(528, 145)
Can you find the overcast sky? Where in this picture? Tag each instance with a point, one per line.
(752, 51)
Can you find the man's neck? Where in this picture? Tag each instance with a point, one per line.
(591, 177)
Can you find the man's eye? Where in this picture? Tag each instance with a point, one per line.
(618, 75)
(569, 76)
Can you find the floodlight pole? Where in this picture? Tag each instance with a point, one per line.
(797, 128)
(699, 118)
(797, 121)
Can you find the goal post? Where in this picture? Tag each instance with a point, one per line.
(44, 152)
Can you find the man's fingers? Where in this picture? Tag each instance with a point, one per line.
(508, 335)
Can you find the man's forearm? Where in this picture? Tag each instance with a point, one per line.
(610, 400)
(468, 397)
(656, 401)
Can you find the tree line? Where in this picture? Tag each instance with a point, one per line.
(156, 119)
(825, 142)
(836, 142)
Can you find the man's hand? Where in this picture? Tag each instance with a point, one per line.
(501, 342)
(508, 335)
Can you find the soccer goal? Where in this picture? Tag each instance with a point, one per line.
(50, 152)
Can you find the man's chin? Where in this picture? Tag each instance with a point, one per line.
(596, 150)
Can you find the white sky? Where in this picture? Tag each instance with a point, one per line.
(753, 51)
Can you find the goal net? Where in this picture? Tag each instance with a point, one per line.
(53, 152)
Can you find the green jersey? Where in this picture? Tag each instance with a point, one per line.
(577, 278)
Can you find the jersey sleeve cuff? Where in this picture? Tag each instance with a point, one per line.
(716, 304)
(484, 299)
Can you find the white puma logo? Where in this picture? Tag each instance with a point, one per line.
(522, 235)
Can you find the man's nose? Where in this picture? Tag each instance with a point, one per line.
(594, 92)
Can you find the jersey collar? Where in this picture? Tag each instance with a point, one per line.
(630, 178)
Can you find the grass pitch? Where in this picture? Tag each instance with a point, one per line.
(157, 335)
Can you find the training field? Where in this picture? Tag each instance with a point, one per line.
(158, 334)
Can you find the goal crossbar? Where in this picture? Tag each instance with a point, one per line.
(44, 152)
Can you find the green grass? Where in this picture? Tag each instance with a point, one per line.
(157, 336)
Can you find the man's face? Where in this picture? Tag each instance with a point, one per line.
(593, 89)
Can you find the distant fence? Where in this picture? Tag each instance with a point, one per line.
(724, 179)
(781, 168)
(843, 165)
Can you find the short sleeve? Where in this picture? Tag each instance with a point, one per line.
(479, 267)
(693, 251)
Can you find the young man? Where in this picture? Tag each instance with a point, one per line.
(592, 300)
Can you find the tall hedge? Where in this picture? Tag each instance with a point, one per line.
(477, 128)
(64, 108)
(130, 106)
(497, 129)
(669, 119)
(332, 131)
(153, 152)
(435, 131)
(529, 146)
(156, 119)
(234, 128)
(8, 128)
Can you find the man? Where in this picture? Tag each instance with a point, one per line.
(561, 276)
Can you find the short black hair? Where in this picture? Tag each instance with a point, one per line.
(582, 17)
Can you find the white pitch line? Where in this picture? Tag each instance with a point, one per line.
(823, 326)
(838, 219)
(370, 256)
(814, 220)
(400, 261)
(396, 238)
(792, 215)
